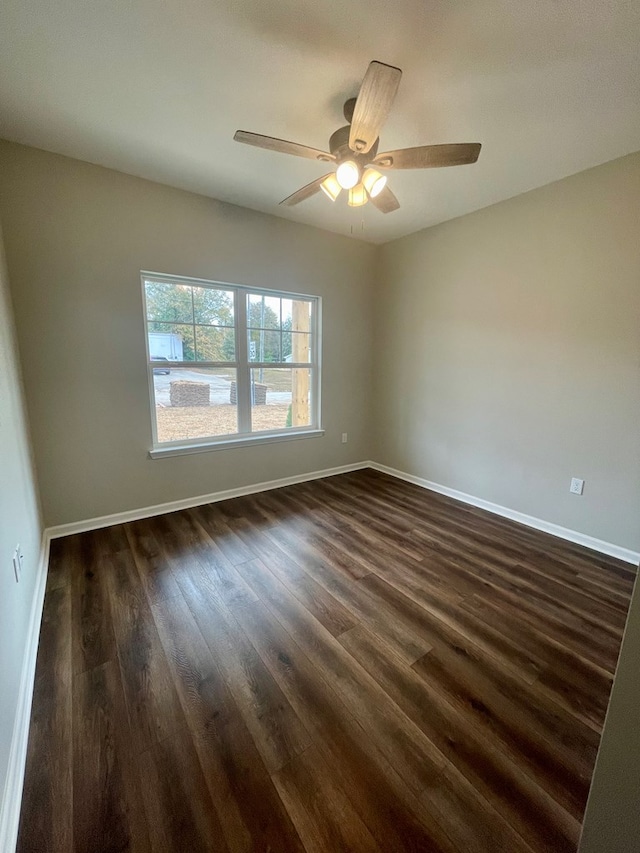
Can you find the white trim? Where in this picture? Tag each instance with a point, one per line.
(245, 441)
(591, 542)
(12, 797)
(187, 503)
(608, 548)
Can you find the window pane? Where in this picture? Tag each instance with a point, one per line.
(286, 346)
(213, 307)
(263, 312)
(214, 344)
(171, 341)
(168, 302)
(192, 403)
(286, 313)
(296, 315)
(280, 398)
(264, 345)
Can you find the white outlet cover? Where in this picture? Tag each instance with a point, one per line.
(577, 486)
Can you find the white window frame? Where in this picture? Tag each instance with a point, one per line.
(242, 366)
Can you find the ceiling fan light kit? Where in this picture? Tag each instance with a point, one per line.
(330, 187)
(348, 174)
(357, 196)
(374, 182)
(354, 148)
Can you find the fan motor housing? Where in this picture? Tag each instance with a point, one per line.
(339, 147)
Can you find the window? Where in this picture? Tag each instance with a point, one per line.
(229, 364)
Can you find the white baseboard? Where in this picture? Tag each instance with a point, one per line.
(12, 798)
(591, 542)
(187, 503)
(599, 545)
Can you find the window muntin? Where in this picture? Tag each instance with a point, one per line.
(228, 362)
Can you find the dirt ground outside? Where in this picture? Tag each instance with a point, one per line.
(179, 423)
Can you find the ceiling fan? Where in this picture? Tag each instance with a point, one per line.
(354, 148)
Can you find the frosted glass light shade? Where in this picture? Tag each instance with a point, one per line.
(348, 174)
(331, 188)
(374, 182)
(357, 196)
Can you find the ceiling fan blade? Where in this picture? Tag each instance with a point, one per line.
(372, 107)
(385, 201)
(429, 156)
(305, 193)
(281, 145)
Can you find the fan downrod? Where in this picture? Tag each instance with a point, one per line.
(339, 146)
(349, 107)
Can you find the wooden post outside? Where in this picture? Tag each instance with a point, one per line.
(300, 353)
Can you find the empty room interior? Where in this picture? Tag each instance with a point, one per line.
(319, 427)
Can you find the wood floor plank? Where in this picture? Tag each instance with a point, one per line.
(326, 608)
(502, 568)
(400, 494)
(152, 561)
(331, 549)
(550, 745)
(47, 813)
(356, 599)
(379, 716)
(180, 813)
(248, 805)
(195, 546)
(353, 602)
(107, 802)
(107, 541)
(388, 808)
(152, 702)
(439, 619)
(322, 525)
(494, 774)
(358, 514)
(409, 753)
(494, 576)
(324, 816)
(59, 569)
(276, 730)
(349, 664)
(93, 638)
(234, 549)
(564, 627)
(578, 684)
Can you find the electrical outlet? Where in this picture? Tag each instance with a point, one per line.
(344, 438)
(577, 486)
(18, 560)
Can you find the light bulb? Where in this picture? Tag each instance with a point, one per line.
(348, 174)
(374, 182)
(331, 188)
(357, 196)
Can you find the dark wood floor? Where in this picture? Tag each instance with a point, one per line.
(352, 664)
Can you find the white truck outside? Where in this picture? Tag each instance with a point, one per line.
(165, 345)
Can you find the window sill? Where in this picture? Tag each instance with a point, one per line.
(229, 444)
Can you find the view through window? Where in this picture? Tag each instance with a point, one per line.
(227, 362)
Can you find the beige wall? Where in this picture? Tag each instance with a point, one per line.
(76, 238)
(508, 352)
(19, 524)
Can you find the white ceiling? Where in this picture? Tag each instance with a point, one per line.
(157, 88)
